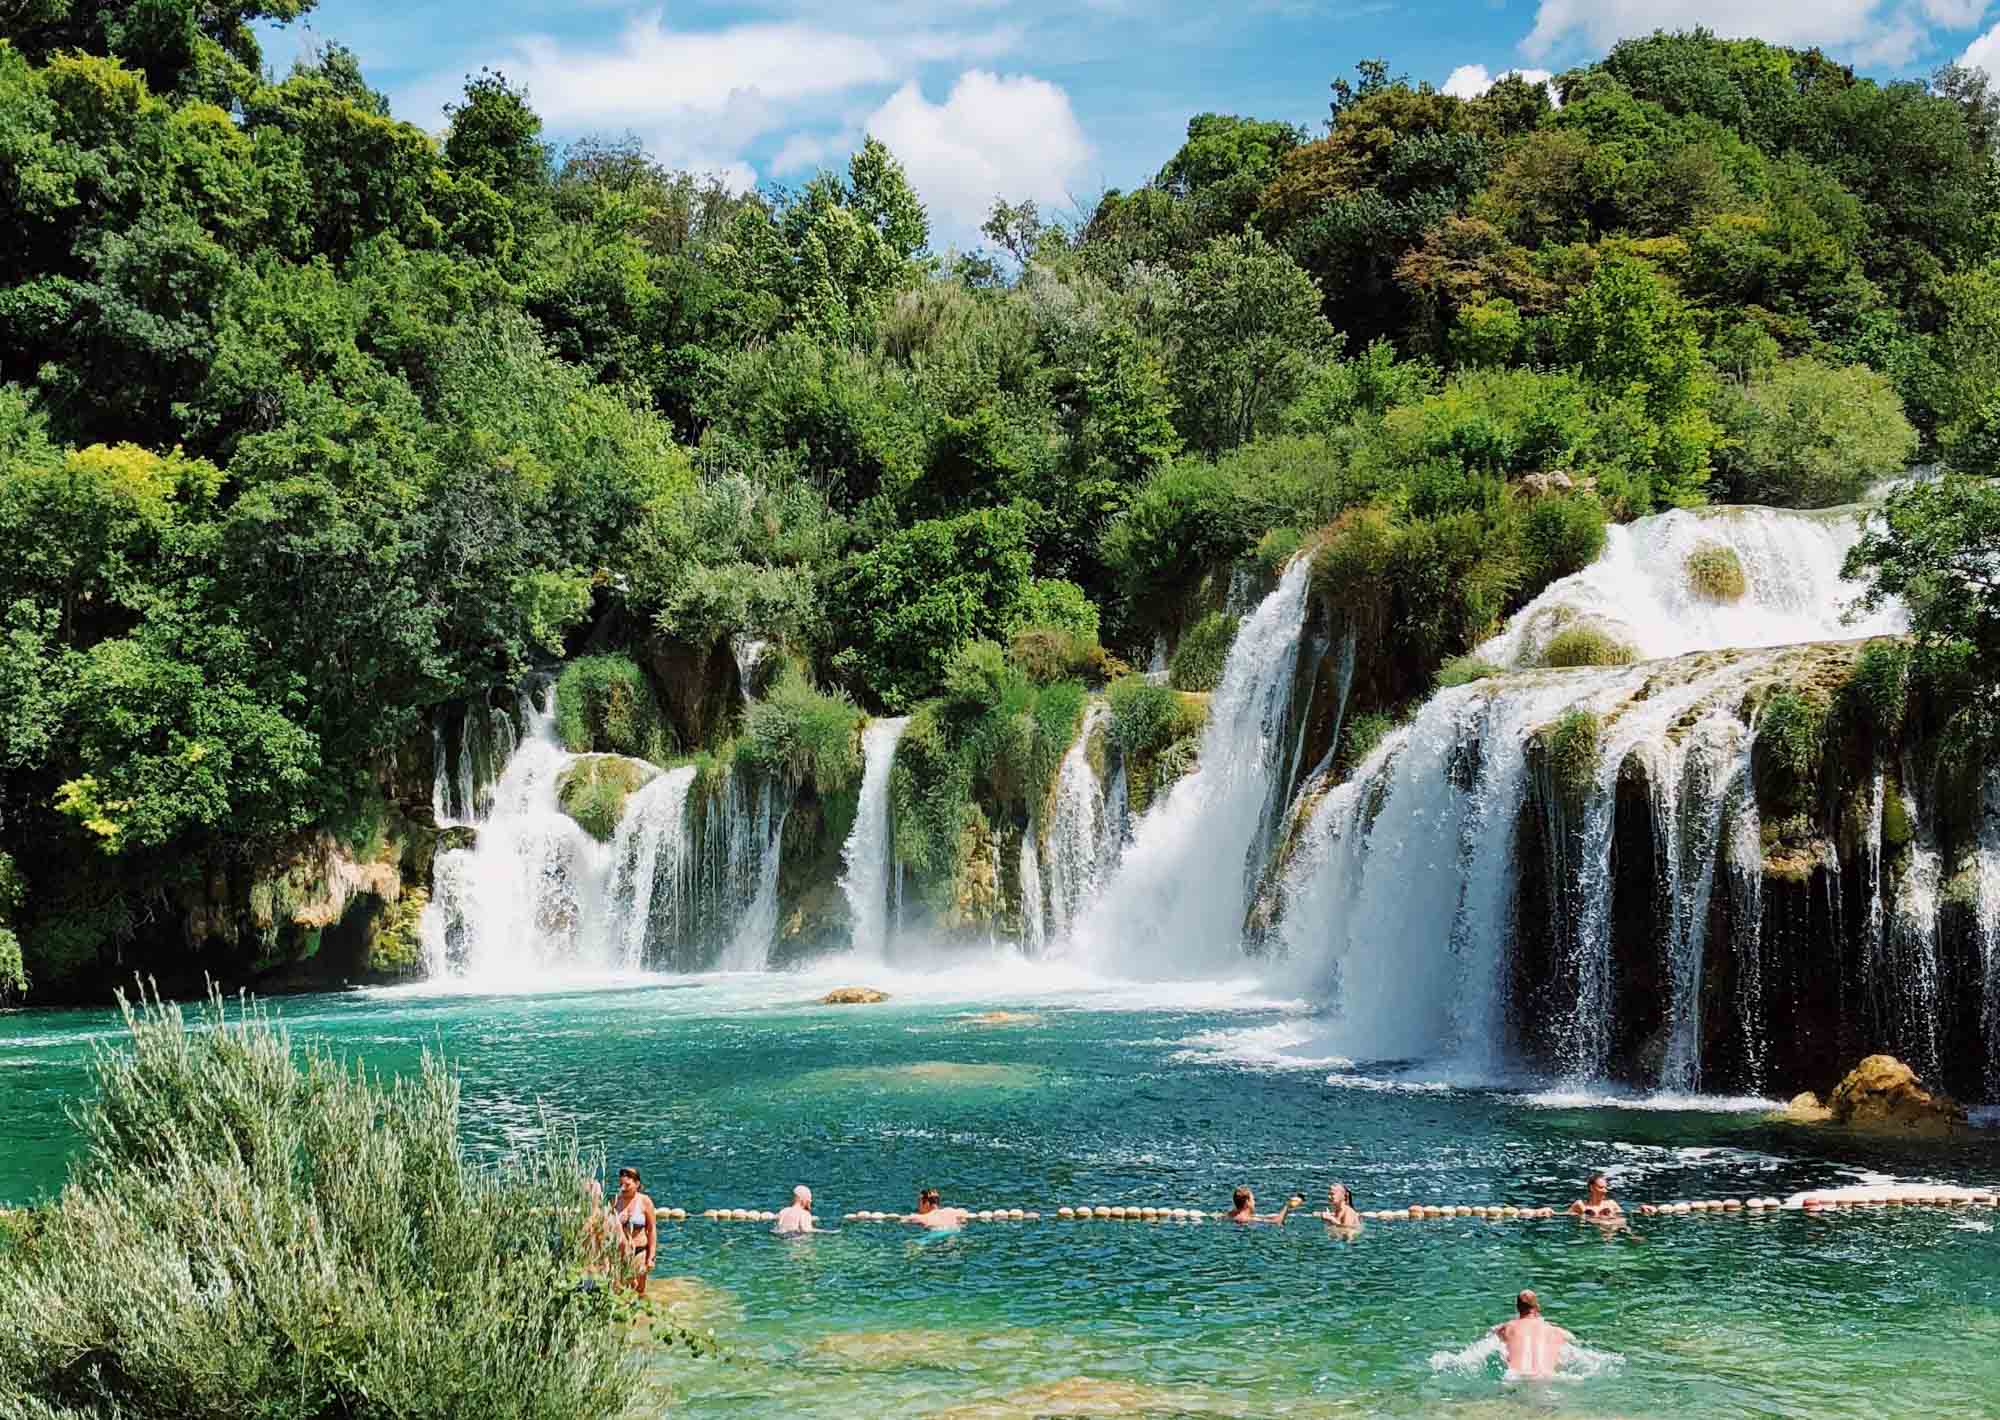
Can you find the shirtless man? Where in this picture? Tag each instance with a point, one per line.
(938, 1219)
(1245, 1208)
(799, 1217)
(1532, 1346)
(1599, 1203)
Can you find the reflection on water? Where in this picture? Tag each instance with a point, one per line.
(726, 1092)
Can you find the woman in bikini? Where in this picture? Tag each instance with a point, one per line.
(638, 1229)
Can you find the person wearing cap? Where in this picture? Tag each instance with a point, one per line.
(1532, 1345)
(799, 1217)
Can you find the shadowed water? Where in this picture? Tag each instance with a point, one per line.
(726, 1091)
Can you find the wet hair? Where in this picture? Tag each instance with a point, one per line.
(1241, 1198)
(929, 1195)
(1600, 1178)
(629, 1172)
(1527, 1303)
(1346, 1193)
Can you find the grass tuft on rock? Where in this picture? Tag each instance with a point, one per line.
(256, 1228)
(804, 733)
(593, 791)
(605, 705)
(1204, 647)
(1586, 646)
(1464, 670)
(1715, 573)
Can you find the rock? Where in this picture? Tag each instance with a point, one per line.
(594, 788)
(1804, 1108)
(853, 996)
(1883, 1095)
(1004, 1018)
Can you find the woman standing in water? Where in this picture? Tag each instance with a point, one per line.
(638, 1228)
(1340, 1208)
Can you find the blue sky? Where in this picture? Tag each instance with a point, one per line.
(1051, 101)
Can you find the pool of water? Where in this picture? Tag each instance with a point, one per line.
(727, 1091)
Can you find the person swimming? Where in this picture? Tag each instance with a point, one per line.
(930, 1214)
(1533, 1347)
(1244, 1208)
(1340, 1207)
(798, 1218)
(1597, 1202)
(634, 1217)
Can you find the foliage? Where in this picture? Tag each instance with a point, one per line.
(1715, 573)
(1251, 328)
(1204, 646)
(1146, 718)
(1064, 606)
(1569, 746)
(1464, 670)
(1808, 435)
(808, 735)
(405, 1281)
(1791, 743)
(1878, 692)
(1586, 646)
(593, 791)
(1358, 739)
(1932, 548)
(605, 705)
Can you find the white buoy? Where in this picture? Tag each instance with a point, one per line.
(1100, 1211)
(1065, 1211)
(1180, 1215)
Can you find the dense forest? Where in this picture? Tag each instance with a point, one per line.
(313, 422)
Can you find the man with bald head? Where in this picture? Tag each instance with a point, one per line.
(799, 1217)
(1532, 1346)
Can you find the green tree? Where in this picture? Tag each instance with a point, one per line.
(1251, 329)
(1808, 435)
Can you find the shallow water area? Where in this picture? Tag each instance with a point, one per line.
(727, 1090)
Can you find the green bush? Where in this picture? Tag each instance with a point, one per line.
(1204, 646)
(1358, 739)
(1570, 746)
(1048, 653)
(1146, 718)
(1586, 646)
(1808, 435)
(1276, 548)
(605, 705)
(593, 791)
(296, 1240)
(1878, 691)
(1715, 573)
(1050, 601)
(803, 733)
(1560, 536)
(1790, 747)
(13, 971)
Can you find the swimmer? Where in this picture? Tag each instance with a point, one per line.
(638, 1227)
(799, 1217)
(1598, 1203)
(1245, 1208)
(1532, 1346)
(938, 1219)
(1340, 1207)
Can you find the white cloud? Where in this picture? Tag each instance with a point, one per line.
(1010, 136)
(1469, 81)
(1984, 53)
(1954, 14)
(1835, 23)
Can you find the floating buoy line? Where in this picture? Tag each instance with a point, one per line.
(1835, 1201)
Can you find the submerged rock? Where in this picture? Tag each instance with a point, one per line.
(1883, 1095)
(853, 996)
(1004, 1018)
(1803, 1108)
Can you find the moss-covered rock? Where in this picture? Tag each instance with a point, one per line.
(1586, 645)
(593, 791)
(1204, 646)
(395, 940)
(1568, 749)
(1715, 573)
(605, 704)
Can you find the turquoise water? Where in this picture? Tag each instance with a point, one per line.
(727, 1091)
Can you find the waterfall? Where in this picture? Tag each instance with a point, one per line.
(525, 897)
(1986, 907)
(1746, 878)
(1177, 901)
(867, 851)
(462, 785)
(649, 864)
(1079, 842)
(748, 651)
(1034, 927)
(1639, 590)
(755, 834)
(1913, 944)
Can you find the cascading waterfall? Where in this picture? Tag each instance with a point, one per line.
(754, 833)
(866, 855)
(1986, 903)
(1177, 901)
(1913, 944)
(1034, 906)
(1746, 879)
(1639, 589)
(649, 865)
(1079, 841)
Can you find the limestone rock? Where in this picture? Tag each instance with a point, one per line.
(1804, 1108)
(853, 996)
(1883, 1095)
(593, 791)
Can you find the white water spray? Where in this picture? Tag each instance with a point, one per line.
(867, 851)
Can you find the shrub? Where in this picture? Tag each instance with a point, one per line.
(1878, 691)
(1198, 659)
(1715, 573)
(1464, 670)
(1560, 536)
(1276, 548)
(1146, 718)
(605, 705)
(1586, 646)
(593, 791)
(1047, 653)
(1808, 435)
(1358, 739)
(1051, 601)
(296, 1240)
(1570, 746)
(803, 733)
(1790, 746)
(13, 972)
